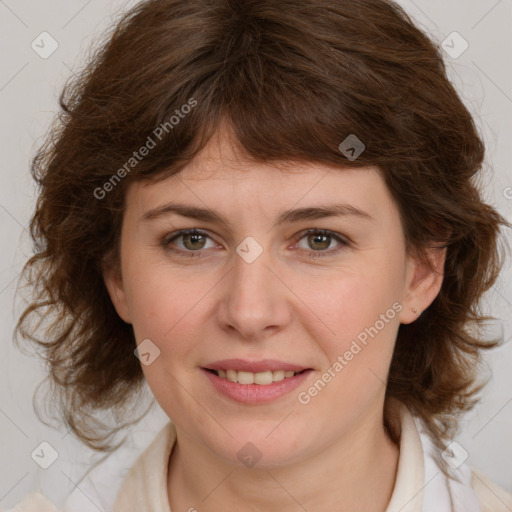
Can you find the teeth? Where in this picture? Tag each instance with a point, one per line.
(261, 378)
(232, 375)
(278, 375)
(246, 377)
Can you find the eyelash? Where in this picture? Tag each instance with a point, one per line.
(311, 254)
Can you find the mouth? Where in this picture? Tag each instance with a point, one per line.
(255, 382)
(263, 378)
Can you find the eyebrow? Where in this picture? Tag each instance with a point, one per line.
(287, 216)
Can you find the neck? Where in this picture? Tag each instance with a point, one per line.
(338, 478)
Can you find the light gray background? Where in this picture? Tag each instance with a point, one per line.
(29, 88)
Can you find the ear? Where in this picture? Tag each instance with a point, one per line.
(114, 284)
(422, 282)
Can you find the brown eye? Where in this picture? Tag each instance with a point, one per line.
(318, 242)
(193, 242)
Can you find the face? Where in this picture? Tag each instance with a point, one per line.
(324, 294)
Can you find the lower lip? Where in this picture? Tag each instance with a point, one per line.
(256, 393)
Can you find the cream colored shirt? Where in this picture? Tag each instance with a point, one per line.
(144, 488)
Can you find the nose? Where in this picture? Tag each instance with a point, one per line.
(255, 300)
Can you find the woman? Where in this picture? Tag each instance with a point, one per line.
(274, 202)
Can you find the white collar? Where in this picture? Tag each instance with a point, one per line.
(420, 484)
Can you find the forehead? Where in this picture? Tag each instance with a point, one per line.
(223, 178)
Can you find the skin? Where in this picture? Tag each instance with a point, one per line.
(283, 306)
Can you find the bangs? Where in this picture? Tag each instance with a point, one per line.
(287, 89)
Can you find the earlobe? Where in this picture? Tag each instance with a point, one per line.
(114, 284)
(423, 283)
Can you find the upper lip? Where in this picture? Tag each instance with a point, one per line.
(254, 366)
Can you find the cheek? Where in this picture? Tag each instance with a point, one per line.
(163, 306)
(354, 316)
(357, 322)
(346, 302)
(156, 297)
(167, 306)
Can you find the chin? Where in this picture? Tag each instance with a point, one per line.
(250, 450)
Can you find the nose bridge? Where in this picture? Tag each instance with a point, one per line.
(254, 299)
(250, 267)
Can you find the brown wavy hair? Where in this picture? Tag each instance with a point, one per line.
(292, 80)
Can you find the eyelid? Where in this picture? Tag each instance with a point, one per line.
(334, 234)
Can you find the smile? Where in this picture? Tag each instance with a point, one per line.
(255, 388)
